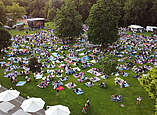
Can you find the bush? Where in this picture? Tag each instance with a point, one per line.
(34, 65)
(109, 64)
(149, 82)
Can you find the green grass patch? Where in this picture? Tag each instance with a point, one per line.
(99, 97)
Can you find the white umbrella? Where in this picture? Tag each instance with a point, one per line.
(9, 95)
(58, 110)
(32, 104)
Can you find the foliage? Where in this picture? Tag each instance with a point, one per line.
(102, 21)
(53, 6)
(5, 39)
(34, 65)
(15, 11)
(153, 12)
(83, 7)
(108, 64)
(68, 21)
(2, 13)
(149, 82)
(37, 8)
(139, 12)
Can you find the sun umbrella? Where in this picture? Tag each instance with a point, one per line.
(58, 110)
(9, 95)
(32, 104)
(59, 88)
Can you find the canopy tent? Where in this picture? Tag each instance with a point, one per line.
(136, 28)
(9, 95)
(151, 28)
(36, 22)
(32, 104)
(58, 110)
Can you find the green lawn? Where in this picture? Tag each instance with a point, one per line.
(99, 97)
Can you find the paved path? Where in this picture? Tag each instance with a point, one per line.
(17, 102)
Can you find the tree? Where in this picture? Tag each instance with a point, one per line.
(138, 12)
(121, 5)
(83, 7)
(7, 2)
(108, 64)
(5, 39)
(53, 6)
(15, 11)
(103, 21)
(2, 13)
(68, 21)
(36, 8)
(153, 11)
(34, 65)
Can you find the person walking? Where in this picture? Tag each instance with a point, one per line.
(57, 92)
(87, 102)
(84, 109)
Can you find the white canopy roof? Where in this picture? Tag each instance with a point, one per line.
(155, 27)
(36, 19)
(9, 95)
(58, 110)
(135, 26)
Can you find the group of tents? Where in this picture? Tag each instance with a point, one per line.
(138, 28)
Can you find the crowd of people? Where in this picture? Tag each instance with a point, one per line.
(61, 58)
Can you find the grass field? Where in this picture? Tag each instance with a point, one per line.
(99, 97)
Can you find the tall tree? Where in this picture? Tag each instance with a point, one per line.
(53, 6)
(154, 12)
(83, 7)
(5, 39)
(103, 21)
(2, 13)
(68, 21)
(15, 11)
(36, 8)
(138, 12)
(7, 2)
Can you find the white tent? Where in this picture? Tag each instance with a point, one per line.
(58, 110)
(151, 28)
(9, 95)
(136, 28)
(32, 104)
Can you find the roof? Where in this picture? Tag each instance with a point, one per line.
(135, 26)
(152, 27)
(36, 19)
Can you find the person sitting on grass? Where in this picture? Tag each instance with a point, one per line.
(138, 100)
(116, 98)
(28, 79)
(103, 85)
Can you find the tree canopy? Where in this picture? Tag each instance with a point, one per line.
(2, 13)
(68, 21)
(5, 39)
(103, 22)
(15, 11)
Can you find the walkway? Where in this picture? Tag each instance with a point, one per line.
(17, 102)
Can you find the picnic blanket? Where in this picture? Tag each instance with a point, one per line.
(94, 72)
(80, 91)
(68, 85)
(89, 84)
(94, 79)
(21, 83)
